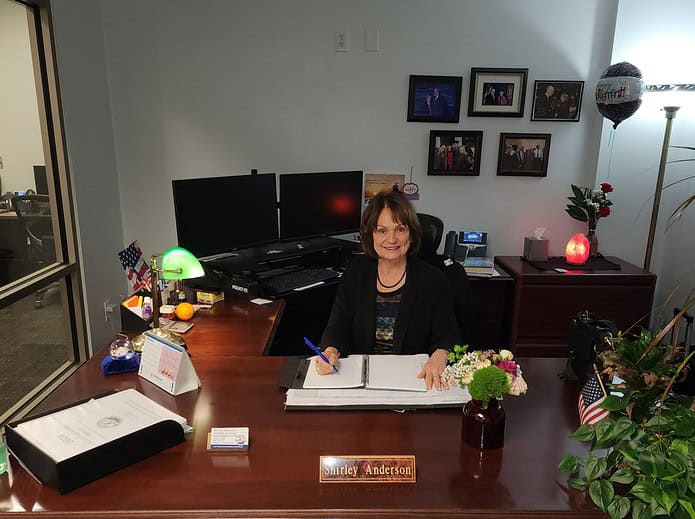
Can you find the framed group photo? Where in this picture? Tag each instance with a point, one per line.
(454, 152)
(523, 154)
(434, 99)
(557, 100)
(497, 92)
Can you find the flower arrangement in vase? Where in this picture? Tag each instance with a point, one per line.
(489, 376)
(587, 205)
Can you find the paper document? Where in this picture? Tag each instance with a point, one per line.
(397, 372)
(351, 374)
(374, 398)
(392, 372)
(77, 429)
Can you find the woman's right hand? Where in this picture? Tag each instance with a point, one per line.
(332, 354)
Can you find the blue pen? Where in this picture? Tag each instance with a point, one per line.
(318, 352)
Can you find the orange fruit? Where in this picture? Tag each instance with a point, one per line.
(184, 311)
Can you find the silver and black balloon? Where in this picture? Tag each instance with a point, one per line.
(619, 92)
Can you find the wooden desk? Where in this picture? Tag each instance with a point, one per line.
(278, 477)
(545, 302)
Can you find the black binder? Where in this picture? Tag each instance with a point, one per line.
(93, 464)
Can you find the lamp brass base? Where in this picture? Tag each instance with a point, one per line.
(139, 341)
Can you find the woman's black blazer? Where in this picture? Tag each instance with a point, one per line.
(425, 322)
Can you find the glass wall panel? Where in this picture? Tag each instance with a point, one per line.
(34, 343)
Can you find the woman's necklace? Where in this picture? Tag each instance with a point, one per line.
(390, 286)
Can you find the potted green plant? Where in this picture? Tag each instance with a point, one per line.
(587, 205)
(641, 459)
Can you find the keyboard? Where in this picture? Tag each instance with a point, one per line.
(298, 280)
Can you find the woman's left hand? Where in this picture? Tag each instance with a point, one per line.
(433, 369)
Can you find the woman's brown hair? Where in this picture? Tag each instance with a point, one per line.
(404, 213)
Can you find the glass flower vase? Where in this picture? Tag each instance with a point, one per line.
(593, 242)
(483, 428)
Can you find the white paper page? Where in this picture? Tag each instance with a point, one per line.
(64, 434)
(397, 372)
(333, 398)
(350, 375)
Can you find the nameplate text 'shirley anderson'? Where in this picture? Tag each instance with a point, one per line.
(367, 469)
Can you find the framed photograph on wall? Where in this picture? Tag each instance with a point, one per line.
(523, 154)
(557, 100)
(434, 99)
(497, 92)
(454, 152)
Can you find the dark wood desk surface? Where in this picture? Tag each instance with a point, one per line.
(278, 477)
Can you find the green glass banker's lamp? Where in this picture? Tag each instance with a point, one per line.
(176, 263)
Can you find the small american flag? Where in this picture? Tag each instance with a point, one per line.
(137, 270)
(590, 398)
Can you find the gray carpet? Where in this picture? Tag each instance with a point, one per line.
(32, 346)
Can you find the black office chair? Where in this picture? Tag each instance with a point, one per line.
(34, 215)
(432, 231)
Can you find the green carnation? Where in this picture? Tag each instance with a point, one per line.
(487, 383)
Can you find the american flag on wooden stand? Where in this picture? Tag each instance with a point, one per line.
(137, 270)
(591, 397)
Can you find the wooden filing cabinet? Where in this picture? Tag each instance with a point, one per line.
(545, 301)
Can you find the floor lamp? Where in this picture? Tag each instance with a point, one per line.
(670, 113)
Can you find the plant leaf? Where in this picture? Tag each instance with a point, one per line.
(604, 430)
(578, 192)
(640, 510)
(584, 433)
(576, 213)
(577, 483)
(613, 403)
(688, 507)
(601, 492)
(666, 498)
(623, 428)
(623, 476)
(619, 508)
(569, 465)
(644, 490)
(595, 467)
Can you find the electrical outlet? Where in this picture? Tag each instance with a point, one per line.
(109, 307)
(342, 41)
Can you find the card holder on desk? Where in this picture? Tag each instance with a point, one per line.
(88, 466)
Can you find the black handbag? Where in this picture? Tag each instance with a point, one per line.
(587, 337)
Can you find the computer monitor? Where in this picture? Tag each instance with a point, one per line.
(221, 214)
(320, 204)
(40, 180)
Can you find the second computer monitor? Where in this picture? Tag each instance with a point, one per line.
(320, 204)
(221, 214)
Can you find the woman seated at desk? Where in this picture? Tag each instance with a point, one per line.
(389, 301)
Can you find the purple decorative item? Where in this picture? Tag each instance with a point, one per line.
(619, 92)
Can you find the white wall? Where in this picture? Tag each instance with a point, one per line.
(87, 112)
(20, 134)
(661, 42)
(219, 87)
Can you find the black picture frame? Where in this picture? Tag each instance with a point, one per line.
(446, 108)
(455, 162)
(486, 83)
(517, 156)
(563, 104)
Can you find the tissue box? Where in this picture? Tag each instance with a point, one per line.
(536, 249)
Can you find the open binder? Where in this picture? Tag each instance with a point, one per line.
(391, 372)
(67, 468)
(365, 382)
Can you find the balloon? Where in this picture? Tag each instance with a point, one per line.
(619, 92)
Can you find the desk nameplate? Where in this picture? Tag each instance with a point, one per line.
(367, 469)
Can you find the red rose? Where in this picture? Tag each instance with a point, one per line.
(604, 210)
(606, 188)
